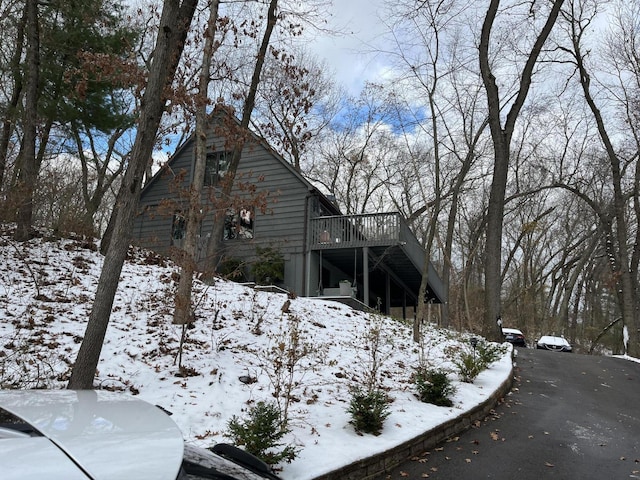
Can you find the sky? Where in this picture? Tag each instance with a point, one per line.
(46, 291)
(347, 54)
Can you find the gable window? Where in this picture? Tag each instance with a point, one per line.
(217, 167)
(178, 228)
(238, 224)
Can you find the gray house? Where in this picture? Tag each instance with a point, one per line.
(369, 260)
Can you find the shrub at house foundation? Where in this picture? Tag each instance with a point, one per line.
(269, 267)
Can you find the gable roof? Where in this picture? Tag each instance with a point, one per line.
(220, 111)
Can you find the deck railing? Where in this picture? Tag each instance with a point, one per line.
(365, 230)
(370, 230)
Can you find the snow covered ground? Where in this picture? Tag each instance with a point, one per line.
(231, 356)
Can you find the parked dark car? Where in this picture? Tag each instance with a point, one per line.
(553, 343)
(514, 336)
(101, 435)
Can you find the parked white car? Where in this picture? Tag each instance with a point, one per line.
(557, 344)
(101, 435)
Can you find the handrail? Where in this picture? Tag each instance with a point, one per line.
(348, 231)
(371, 230)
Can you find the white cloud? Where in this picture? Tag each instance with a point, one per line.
(349, 53)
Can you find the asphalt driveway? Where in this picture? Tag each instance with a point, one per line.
(568, 416)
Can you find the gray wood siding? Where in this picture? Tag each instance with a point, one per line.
(283, 225)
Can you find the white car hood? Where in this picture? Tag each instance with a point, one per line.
(555, 341)
(111, 436)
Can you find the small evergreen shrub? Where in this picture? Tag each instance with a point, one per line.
(490, 352)
(232, 269)
(368, 410)
(470, 360)
(468, 365)
(261, 434)
(269, 267)
(434, 386)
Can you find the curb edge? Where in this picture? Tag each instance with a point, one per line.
(374, 466)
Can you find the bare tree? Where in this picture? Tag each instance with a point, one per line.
(444, 134)
(297, 100)
(187, 259)
(351, 159)
(13, 80)
(239, 138)
(100, 171)
(174, 25)
(613, 212)
(502, 135)
(27, 159)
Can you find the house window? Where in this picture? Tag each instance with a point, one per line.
(178, 227)
(217, 167)
(238, 224)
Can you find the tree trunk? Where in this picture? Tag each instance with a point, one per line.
(622, 261)
(28, 173)
(213, 248)
(501, 137)
(174, 25)
(182, 310)
(11, 110)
